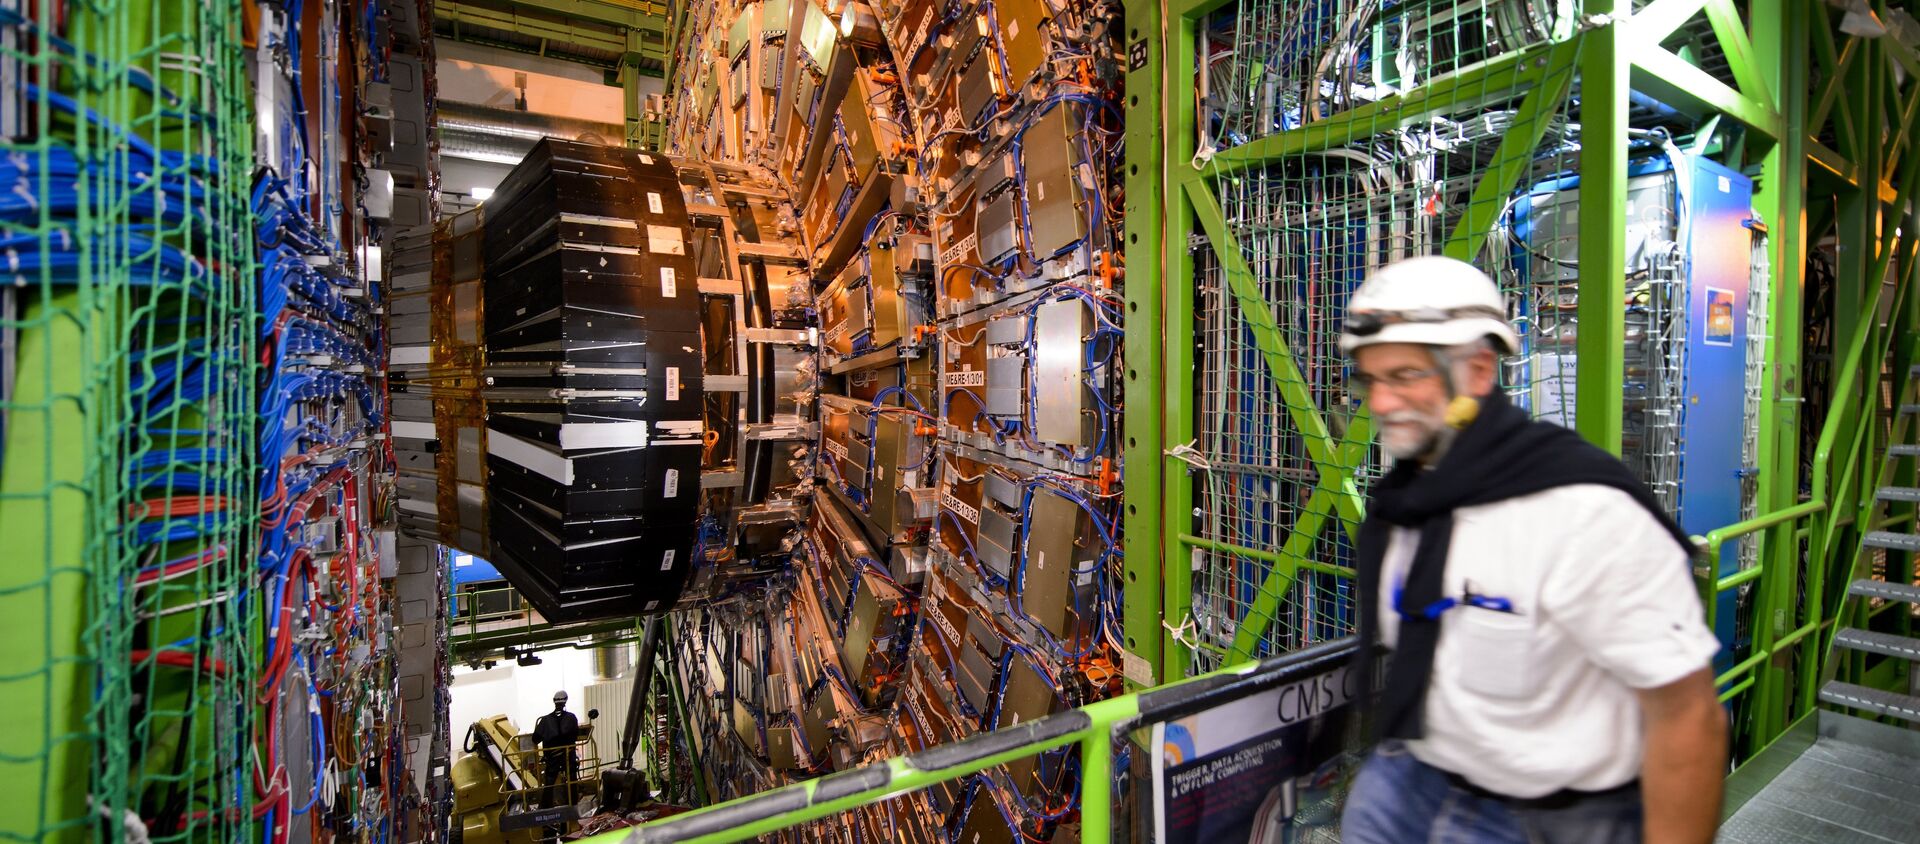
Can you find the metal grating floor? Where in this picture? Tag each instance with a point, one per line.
(1859, 782)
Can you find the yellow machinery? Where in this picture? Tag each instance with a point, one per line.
(501, 794)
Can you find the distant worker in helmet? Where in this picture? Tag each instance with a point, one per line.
(556, 732)
(1547, 673)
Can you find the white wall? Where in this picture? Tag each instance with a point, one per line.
(493, 86)
(650, 85)
(523, 693)
(483, 54)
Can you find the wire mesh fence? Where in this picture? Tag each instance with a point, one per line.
(126, 392)
(1404, 176)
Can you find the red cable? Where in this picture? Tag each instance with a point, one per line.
(179, 505)
(208, 556)
(180, 659)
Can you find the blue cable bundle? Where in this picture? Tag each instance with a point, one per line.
(320, 413)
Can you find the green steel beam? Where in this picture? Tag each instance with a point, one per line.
(1734, 42)
(1463, 90)
(1258, 314)
(1601, 370)
(1145, 247)
(563, 31)
(1780, 31)
(1662, 18)
(1286, 565)
(1825, 49)
(474, 645)
(1832, 163)
(1336, 494)
(675, 694)
(549, 51)
(1293, 553)
(1902, 55)
(1096, 786)
(636, 133)
(1515, 155)
(620, 14)
(1836, 69)
(1859, 214)
(1671, 80)
(1194, 10)
(1904, 132)
(1281, 557)
(1178, 277)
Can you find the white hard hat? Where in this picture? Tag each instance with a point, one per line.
(560, 696)
(1431, 300)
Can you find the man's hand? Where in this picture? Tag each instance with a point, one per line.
(1686, 759)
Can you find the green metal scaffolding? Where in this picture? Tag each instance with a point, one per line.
(1818, 173)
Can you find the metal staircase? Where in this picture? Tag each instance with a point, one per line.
(1889, 591)
(1852, 771)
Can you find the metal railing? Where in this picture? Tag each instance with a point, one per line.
(539, 787)
(490, 621)
(1846, 422)
(529, 794)
(1711, 587)
(1094, 729)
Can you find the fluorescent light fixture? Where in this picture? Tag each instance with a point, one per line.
(482, 194)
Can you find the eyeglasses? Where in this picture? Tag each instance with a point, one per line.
(1360, 384)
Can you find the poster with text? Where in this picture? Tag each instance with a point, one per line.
(1242, 771)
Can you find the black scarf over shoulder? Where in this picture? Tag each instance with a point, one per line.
(1502, 454)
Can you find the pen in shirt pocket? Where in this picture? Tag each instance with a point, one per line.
(1486, 602)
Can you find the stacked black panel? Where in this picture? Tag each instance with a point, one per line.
(593, 381)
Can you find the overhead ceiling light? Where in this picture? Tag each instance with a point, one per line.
(481, 194)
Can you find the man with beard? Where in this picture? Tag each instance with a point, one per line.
(1548, 672)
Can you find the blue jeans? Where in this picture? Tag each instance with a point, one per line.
(1397, 799)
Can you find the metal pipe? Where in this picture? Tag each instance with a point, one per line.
(1718, 537)
(613, 660)
(637, 705)
(527, 125)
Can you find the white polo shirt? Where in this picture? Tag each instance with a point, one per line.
(1542, 699)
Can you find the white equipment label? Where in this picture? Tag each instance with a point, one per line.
(669, 286)
(953, 253)
(968, 378)
(673, 486)
(959, 507)
(673, 383)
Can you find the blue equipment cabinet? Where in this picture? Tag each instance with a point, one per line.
(1720, 267)
(1687, 352)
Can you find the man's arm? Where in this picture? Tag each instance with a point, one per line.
(1686, 759)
